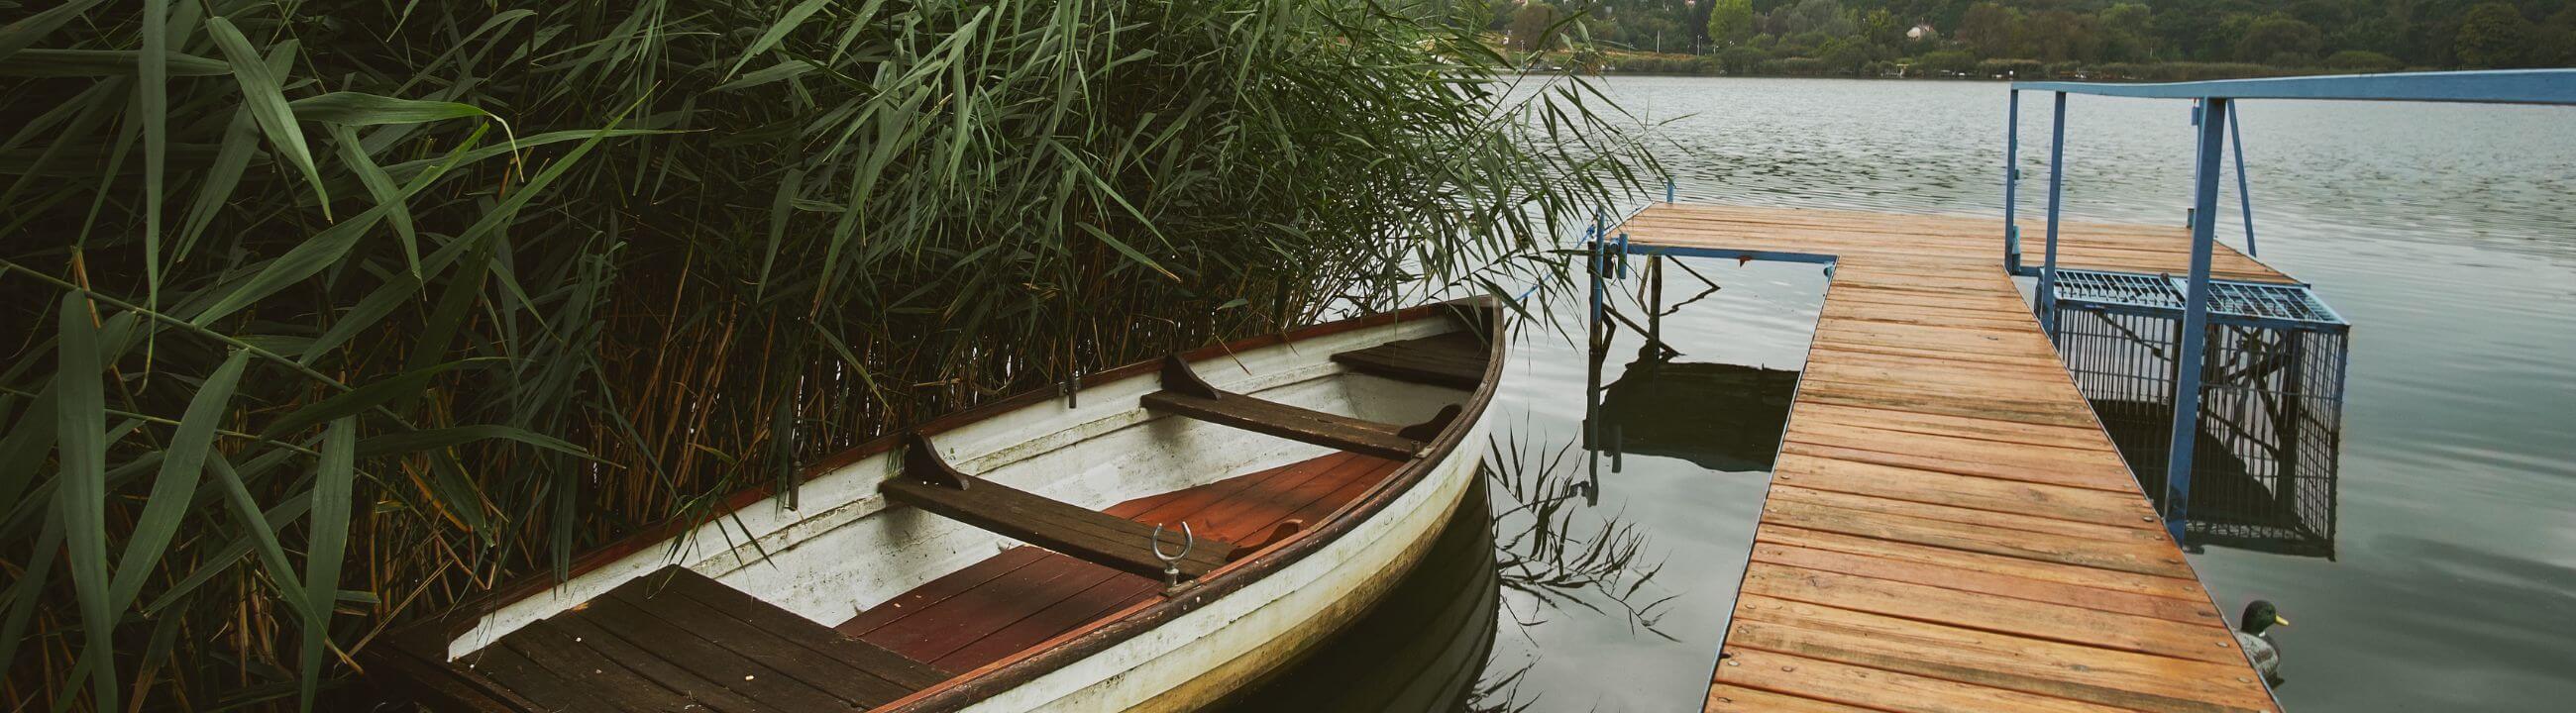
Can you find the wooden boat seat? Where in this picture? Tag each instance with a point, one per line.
(1185, 394)
(1109, 540)
(1455, 360)
(675, 640)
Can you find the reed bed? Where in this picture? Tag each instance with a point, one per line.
(324, 316)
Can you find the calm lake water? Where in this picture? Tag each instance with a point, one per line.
(2445, 234)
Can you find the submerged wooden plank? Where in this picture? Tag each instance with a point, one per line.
(1950, 529)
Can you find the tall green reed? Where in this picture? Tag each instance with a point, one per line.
(330, 314)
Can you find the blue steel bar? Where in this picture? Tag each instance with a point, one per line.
(1734, 254)
(2056, 187)
(1592, 242)
(1623, 255)
(2188, 362)
(2244, 197)
(2012, 176)
(2189, 212)
(2512, 86)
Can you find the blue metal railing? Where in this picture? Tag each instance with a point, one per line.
(2216, 126)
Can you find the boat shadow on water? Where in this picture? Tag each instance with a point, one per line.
(1524, 529)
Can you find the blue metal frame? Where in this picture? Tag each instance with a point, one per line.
(2190, 360)
(2511, 86)
(2217, 128)
(2056, 188)
(1729, 254)
(2012, 178)
(2244, 195)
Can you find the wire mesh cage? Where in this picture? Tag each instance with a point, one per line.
(2271, 423)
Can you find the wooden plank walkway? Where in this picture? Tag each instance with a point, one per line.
(1948, 528)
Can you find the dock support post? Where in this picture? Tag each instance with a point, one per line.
(2012, 177)
(2244, 197)
(1593, 240)
(2189, 359)
(2056, 186)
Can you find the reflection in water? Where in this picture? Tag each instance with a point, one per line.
(1556, 558)
(1723, 417)
(1427, 645)
(1423, 646)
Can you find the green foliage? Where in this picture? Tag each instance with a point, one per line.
(2494, 35)
(310, 343)
(1730, 21)
(1882, 32)
(2362, 61)
(1741, 60)
(1537, 27)
(2009, 68)
(2277, 34)
(1843, 57)
(2070, 39)
(1990, 30)
(1949, 61)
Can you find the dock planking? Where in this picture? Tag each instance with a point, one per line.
(1949, 529)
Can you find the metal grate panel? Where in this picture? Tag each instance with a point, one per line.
(2228, 299)
(2253, 299)
(2264, 475)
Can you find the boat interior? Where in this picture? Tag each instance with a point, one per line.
(1052, 520)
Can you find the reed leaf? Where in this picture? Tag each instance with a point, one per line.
(182, 462)
(266, 101)
(335, 482)
(80, 438)
(734, 239)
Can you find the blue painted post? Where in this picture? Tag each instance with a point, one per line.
(2012, 177)
(1623, 256)
(1592, 241)
(2195, 317)
(1668, 189)
(2056, 187)
(2244, 197)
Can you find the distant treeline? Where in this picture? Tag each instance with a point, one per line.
(2165, 40)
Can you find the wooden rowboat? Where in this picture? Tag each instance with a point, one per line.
(1172, 533)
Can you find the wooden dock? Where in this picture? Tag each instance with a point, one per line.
(1949, 528)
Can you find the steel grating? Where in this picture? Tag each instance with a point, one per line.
(2227, 298)
(2267, 458)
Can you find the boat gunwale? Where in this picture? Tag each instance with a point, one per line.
(968, 687)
